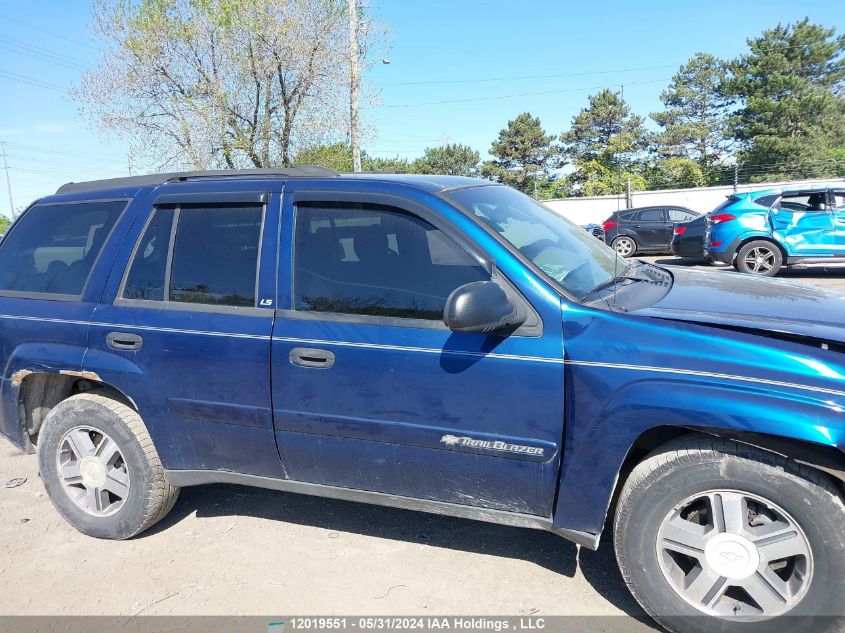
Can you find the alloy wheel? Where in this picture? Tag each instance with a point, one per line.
(760, 260)
(93, 471)
(730, 553)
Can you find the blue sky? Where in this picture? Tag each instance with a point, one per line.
(472, 54)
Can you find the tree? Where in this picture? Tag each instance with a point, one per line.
(395, 165)
(453, 159)
(4, 224)
(694, 121)
(678, 172)
(337, 156)
(523, 153)
(221, 83)
(603, 142)
(791, 116)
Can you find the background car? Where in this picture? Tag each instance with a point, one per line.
(688, 239)
(644, 230)
(596, 230)
(760, 232)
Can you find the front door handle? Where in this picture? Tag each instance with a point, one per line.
(124, 341)
(312, 357)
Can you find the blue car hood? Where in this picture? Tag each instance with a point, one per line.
(747, 302)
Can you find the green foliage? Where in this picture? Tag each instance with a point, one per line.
(453, 159)
(337, 156)
(791, 119)
(676, 172)
(4, 224)
(522, 151)
(395, 165)
(604, 142)
(694, 121)
(606, 131)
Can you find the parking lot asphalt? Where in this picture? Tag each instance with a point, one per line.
(235, 550)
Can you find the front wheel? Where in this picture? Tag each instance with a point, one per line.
(714, 536)
(760, 257)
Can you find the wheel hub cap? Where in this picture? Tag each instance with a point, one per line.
(732, 556)
(93, 472)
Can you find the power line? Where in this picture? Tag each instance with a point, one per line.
(51, 33)
(512, 96)
(32, 81)
(522, 77)
(49, 55)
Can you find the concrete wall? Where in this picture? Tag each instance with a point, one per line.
(702, 199)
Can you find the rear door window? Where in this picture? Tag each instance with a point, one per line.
(213, 259)
(679, 215)
(52, 248)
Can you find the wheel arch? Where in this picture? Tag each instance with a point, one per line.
(825, 459)
(761, 238)
(40, 392)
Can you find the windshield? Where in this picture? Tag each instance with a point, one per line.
(564, 251)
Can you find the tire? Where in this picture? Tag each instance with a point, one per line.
(661, 573)
(100, 468)
(760, 257)
(624, 245)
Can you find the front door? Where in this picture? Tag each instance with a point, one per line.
(653, 229)
(371, 391)
(182, 328)
(802, 221)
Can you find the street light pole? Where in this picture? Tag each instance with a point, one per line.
(354, 78)
(8, 183)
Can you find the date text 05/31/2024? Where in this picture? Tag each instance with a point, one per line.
(456, 623)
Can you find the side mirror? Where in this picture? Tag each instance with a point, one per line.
(481, 306)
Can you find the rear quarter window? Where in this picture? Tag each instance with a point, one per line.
(53, 247)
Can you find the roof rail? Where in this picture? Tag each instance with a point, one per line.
(302, 171)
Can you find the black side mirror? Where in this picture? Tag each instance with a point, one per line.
(481, 306)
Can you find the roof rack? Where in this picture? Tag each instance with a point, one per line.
(303, 171)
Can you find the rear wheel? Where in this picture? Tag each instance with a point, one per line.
(624, 245)
(714, 528)
(759, 257)
(100, 468)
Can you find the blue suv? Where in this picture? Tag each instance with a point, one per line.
(436, 343)
(762, 231)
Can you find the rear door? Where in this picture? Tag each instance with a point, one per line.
(184, 331)
(371, 391)
(653, 228)
(803, 222)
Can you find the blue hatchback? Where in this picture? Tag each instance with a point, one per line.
(760, 232)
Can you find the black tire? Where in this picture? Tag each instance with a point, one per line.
(690, 466)
(617, 242)
(149, 498)
(768, 264)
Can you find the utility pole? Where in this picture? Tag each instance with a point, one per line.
(8, 183)
(354, 79)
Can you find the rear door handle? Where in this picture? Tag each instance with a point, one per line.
(124, 341)
(312, 357)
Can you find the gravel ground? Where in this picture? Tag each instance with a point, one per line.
(235, 550)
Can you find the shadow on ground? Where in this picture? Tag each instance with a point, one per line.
(538, 547)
